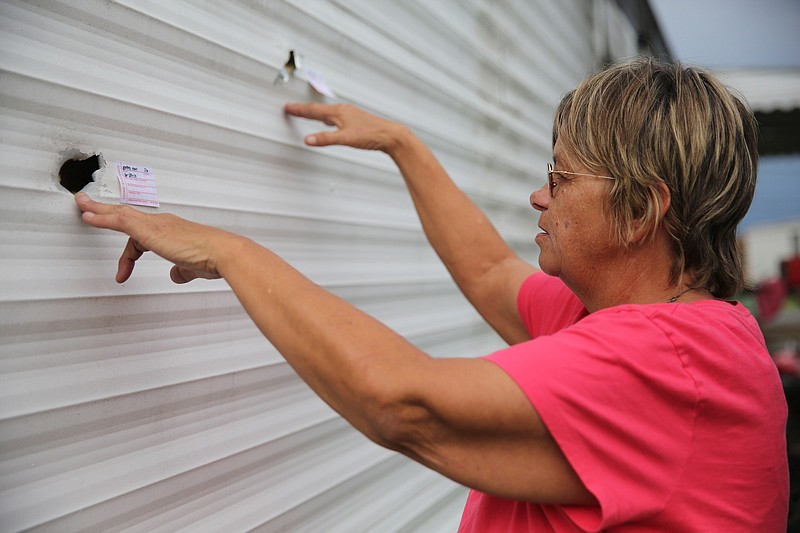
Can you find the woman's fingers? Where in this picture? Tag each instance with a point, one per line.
(184, 275)
(114, 217)
(107, 216)
(313, 111)
(133, 251)
(188, 245)
(354, 126)
(328, 114)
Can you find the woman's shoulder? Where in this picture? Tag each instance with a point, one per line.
(698, 315)
(711, 337)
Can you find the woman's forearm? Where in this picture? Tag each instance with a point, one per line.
(485, 268)
(459, 231)
(352, 361)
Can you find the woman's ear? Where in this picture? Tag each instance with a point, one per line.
(647, 225)
(666, 198)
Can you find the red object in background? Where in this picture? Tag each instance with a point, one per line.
(770, 297)
(787, 360)
(791, 272)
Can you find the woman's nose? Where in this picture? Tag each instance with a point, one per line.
(540, 199)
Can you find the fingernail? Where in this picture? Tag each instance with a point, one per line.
(311, 140)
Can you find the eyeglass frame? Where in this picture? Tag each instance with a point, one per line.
(551, 183)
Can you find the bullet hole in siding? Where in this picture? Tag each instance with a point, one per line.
(294, 63)
(75, 174)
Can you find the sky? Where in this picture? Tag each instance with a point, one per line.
(735, 34)
(732, 33)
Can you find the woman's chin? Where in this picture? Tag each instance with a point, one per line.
(547, 266)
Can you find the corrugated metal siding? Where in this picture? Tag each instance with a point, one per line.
(154, 407)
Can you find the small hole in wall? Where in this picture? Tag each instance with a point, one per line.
(75, 174)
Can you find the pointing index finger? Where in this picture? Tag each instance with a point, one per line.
(313, 111)
(108, 216)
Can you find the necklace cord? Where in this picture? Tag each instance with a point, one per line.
(675, 298)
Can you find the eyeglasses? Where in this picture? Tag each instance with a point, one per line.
(551, 182)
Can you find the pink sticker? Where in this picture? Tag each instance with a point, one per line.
(317, 80)
(137, 185)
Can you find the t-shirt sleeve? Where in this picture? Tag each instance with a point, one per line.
(545, 304)
(618, 400)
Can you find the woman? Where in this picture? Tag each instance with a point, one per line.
(633, 397)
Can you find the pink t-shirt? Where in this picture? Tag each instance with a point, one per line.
(673, 416)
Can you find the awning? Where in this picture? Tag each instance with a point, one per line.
(774, 97)
(766, 90)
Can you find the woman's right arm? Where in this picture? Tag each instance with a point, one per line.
(483, 266)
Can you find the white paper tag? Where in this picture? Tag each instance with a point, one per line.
(137, 185)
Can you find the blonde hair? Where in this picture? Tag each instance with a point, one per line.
(650, 122)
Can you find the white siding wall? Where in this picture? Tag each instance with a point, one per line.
(148, 406)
